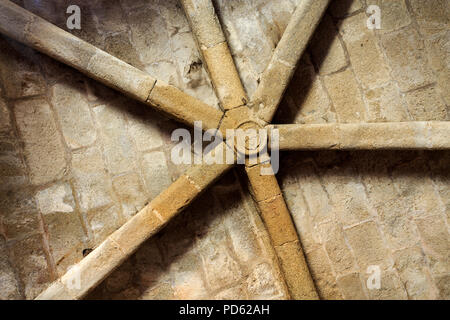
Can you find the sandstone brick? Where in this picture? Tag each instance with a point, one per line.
(327, 50)
(351, 287)
(220, 268)
(322, 274)
(29, 258)
(406, 56)
(432, 16)
(304, 224)
(64, 227)
(92, 185)
(240, 228)
(12, 168)
(365, 55)
(131, 193)
(44, 150)
(426, 104)
(315, 194)
(385, 104)
(10, 286)
(163, 291)
(435, 242)
(394, 14)
(347, 196)
(420, 199)
(20, 223)
(74, 115)
(156, 174)
(261, 283)
(442, 283)
(413, 270)
(391, 287)
(397, 226)
(117, 145)
(264, 187)
(348, 103)
(337, 249)
(368, 245)
(150, 39)
(109, 16)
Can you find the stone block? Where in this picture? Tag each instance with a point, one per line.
(73, 113)
(351, 287)
(348, 103)
(131, 193)
(92, 184)
(406, 55)
(425, 104)
(368, 245)
(156, 173)
(44, 150)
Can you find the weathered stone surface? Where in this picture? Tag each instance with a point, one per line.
(73, 113)
(261, 284)
(44, 150)
(155, 171)
(436, 242)
(395, 14)
(365, 55)
(104, 222)
(351, 287)
(117, 144)
(426, 104)
(10, 286)
(322, 274)
(406, 56)
(432, 16)
(391, 287)
(131, 193)
(62, 222)
(92, 185)
(29, 258)
(348, 103)
(385, 104)
(413, 270)
(367, 244)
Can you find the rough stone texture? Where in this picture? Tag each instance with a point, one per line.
(398, 199)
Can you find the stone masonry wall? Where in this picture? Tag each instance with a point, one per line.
(77, 159)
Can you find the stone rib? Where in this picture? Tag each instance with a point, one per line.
(122, 243)
(281, 68)
(366, 136)
(216, 54)
(21, 25)
(281, 229)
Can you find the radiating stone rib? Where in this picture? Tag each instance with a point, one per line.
(122, 243)
(216, 54)
(278, 73)
(281, 229)
(366, 136)
(23, 26)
